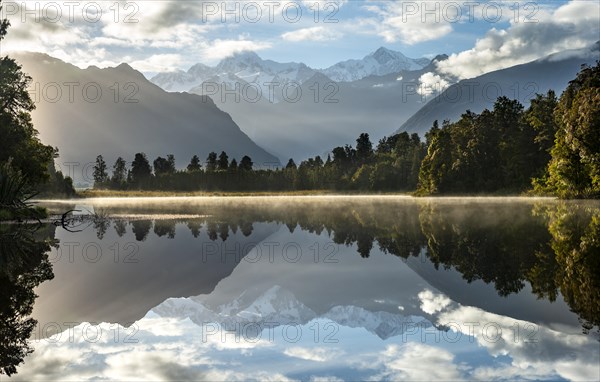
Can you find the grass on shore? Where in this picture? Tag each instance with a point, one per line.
(91, 193)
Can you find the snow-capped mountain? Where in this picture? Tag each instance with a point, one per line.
(281, 307)
(381, 62)
(248, 68)
(236, 72)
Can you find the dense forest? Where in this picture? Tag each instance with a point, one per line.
(553, 148)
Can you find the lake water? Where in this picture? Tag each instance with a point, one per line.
(312, 288)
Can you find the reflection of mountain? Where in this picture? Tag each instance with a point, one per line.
(122, 286)
(277, 306)
(509, 257)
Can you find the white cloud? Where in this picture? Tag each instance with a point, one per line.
(571, 26)
(418, 362)
(312, 34)
(219, 49)
(432, 84)
(397, 22)
(432, 303)
(313, 354)
(158, 63)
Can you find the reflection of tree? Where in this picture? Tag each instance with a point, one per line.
(101, 225)
(165, 227)
(120, 227)
(211, 230)
(194, 226)
(500, 243)
(141, 228)
(492, 243)
(24, 265)
(223, 231)
(573, 267)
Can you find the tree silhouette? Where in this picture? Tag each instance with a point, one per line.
(246, 163)
(194, 165)
(100, 173)
(211, 162)
(140, 169)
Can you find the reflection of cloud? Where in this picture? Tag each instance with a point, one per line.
(432, 303)
(418, 362)
(535, 351)
(316, 354)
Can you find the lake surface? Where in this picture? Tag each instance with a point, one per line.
(311, 288)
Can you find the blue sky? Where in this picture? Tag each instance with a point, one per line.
(158, 36)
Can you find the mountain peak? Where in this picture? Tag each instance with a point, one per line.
(384, 55)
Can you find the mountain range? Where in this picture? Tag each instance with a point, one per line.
(332, 107)
(118, 112)
(248, 67)
(268, 110)
(307, 116)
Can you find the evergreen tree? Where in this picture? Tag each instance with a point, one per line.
(100, 174)
(140, 170)
(223, 163)
(164, 166)
(233, 166)
(119, 172)
(291, 164)
(246, 164)
(211, 162)
(194, 165)
(364, 148)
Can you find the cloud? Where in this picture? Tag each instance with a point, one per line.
(397, 22)
(313, 354)
(418, 362)
(571, 26)
(432, 84)
(312, 34)
(432, 303)
(219, 49)
(158, 63)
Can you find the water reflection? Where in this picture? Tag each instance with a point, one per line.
(407, 271)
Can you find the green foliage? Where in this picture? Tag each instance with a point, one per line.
(495, 151)
(574, 170)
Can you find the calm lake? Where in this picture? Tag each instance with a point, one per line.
(312, 288)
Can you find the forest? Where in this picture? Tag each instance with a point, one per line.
(550, 148)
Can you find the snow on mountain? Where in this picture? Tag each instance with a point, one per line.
(247, 68)
(381, 62)
(236, 72)
(383, 324)
(281, 307)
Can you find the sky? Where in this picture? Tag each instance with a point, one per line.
(157, 36)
